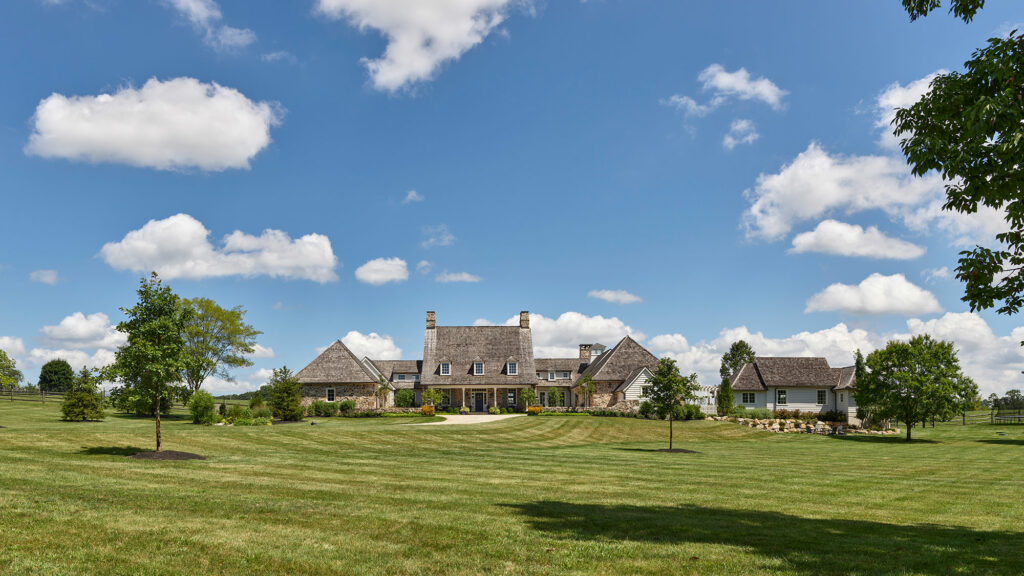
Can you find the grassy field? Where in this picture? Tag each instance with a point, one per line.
(541, 495)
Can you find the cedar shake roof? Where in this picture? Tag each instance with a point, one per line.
(571, 365)
(391, 367)
(463, 345)
(616, 364)
(336, 365)
(796, 372)
(847, 377)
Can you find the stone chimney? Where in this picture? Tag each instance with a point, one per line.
(524, 319)
(585, 353)
(430, 320)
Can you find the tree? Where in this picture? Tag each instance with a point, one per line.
(431, 396)
(913, 382)
(83, 400)
(968, 127)
(9, 373)
(405, 398)
(669, 391)
(587, 387)
(152, 361)
(216, 340)
(381, 393)
(56, 376)
(202, 408)
(739, 355)
(285, 397)
(555, 396)
(527, 397)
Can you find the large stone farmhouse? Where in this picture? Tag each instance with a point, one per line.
(483, 366)
(805, 384)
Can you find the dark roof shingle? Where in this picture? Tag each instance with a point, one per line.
(336, 365)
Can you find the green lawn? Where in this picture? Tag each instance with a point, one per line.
(542, 495)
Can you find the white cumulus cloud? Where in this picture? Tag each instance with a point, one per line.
(437, 236)
(741, 131)
(560, 337)
(178, 247)
(205, 16)
(260, 351)
(876, 294)
(894, 97)
(373, 345)
(833, 237)
(44, 277)
(421, 36)
(176, 124)
(725, 86)
(383, 270)
(79, 331)
(615, 296)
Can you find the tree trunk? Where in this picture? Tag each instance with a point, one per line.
(670, 431)
(158, 401)
(909, 426)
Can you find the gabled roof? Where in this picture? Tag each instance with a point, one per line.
(463, 345)
(785, 372)
(336, 365)
(633, 376)
(616, 364)
(847, 377)
(391, 367)
(571, 365)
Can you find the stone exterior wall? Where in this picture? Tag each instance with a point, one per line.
(604, 394)
(362, 394)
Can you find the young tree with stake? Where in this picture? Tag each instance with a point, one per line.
(669, 391)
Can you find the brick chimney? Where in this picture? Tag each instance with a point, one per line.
(524, 319)
(430, 320)
(585, 353)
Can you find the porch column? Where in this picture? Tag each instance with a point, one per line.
(463, 396)
(495, 397)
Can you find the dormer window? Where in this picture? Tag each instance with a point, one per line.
(551, 375)
(446, 369)
(513, 369)
(478, 368)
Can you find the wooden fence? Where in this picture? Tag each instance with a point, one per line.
(43, 396)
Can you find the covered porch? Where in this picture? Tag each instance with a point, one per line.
(480, 398)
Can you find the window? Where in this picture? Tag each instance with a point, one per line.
(551, 375)
(781, 395)
(748, 398)
(513, 369)
(543, 398)
(842, 398)
(330, 394)
(416, 377)
(446, 369)
(563, 375)
(478, 368)
(821, 396)
(401, 376)
(510, 398)
(446, 397)
(645, 391)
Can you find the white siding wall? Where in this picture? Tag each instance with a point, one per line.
(760, 399)
(802, 399)
(635, 390)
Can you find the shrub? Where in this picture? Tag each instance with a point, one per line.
(263, 412)
(758, 413)
(832, 416)
(405, 398)
(323, 409)
(202, 408)
(363, 414)
(464, 410)
(646, 409)
(494, 410)
(285, 397)
(83, 401)
(238, 415)
(534, 410)
(262, 421)
(223, 409)
(739, 411)
(256, 401)
(427, 410)
(346, 406)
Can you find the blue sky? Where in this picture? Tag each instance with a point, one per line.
(720, 170)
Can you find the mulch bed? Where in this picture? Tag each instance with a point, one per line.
(167, 455)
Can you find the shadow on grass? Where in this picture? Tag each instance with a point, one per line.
(1006, 441)
(110, 450)
(666, 450)
(124, 416)
(805, 545)
(892, 439)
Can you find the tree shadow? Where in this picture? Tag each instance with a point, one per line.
(1007, 441)
(893, 439)
(110, 450)
(163, 417)
(806, 545)
(665, 450)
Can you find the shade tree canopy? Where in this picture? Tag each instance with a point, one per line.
(669, 390)
(216, 340)
(56, 376)
(10, 376)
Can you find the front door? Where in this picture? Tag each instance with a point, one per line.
(479, 401)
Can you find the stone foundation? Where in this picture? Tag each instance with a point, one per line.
(361, 394)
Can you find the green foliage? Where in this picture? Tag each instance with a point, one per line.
(263, 412)
(152, 361)
(216, 340)
(555, 396)
(669, 391)
(646, 409)
(9, 373)
(962, 9)
(238, 415)
(431, 397)
(527, 397)
(223, 409)
(494, 410)
(323, 409)
(202, 408)
(687, 412)
(128, 400)
(257, 401)
(285, 397)
(405, 398)
(739, 354)
(587, 387)
(914, 382)
(381, 392)
(347, 406)
(262, 421)
(56, 376)
(83, 401)
(968, 127)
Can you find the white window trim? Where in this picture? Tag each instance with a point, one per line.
(743, 398)
(478, 368)
(401, 377)
(551, 375)
(331, 392)
(784, 396)
(818, 394)
(446, 369)
(513, 369)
